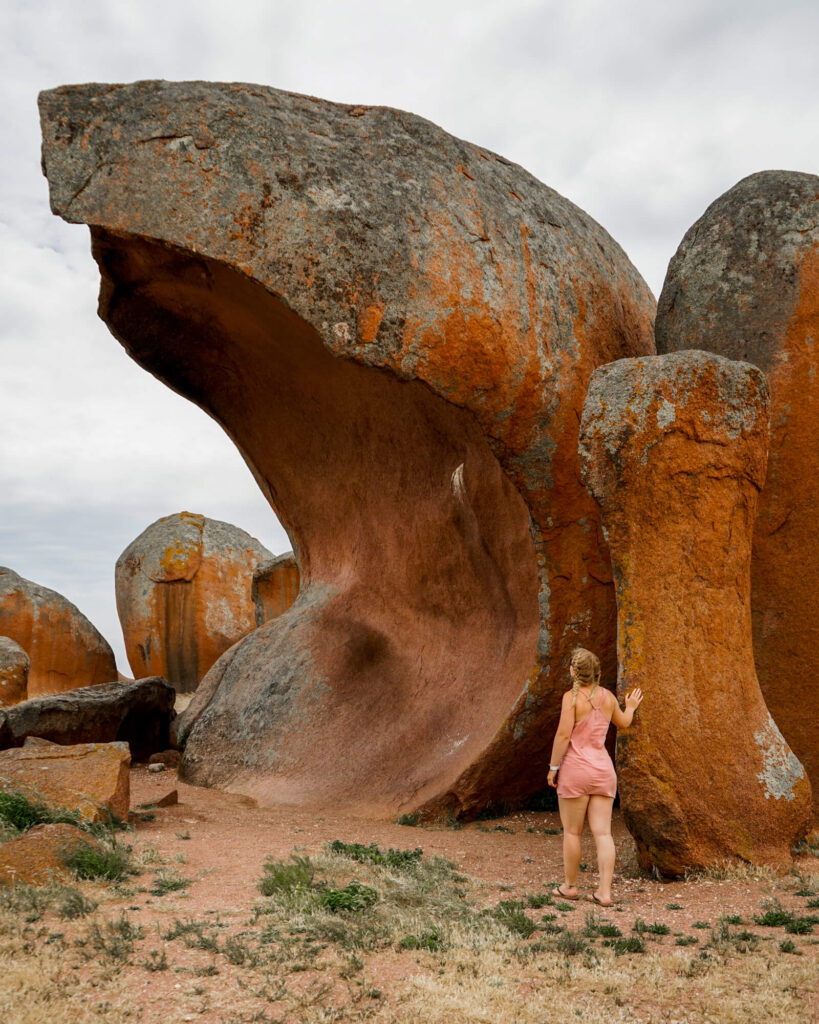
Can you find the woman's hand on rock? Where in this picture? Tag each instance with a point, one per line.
(633, 699)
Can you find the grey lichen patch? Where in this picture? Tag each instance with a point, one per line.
(666, 414)
(781, 769)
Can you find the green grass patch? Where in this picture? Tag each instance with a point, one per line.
(800, 926)
(410, 820)
(353, 897)
(570, 943)
(632, 944)
(430, 940)
(21, 812)
(291, 876)
(400, 859)
(168, 881)
(97, 863)
(509, 913)
(774, 915)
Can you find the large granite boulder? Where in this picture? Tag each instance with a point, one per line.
(674, 448)
(184, 595)
(15, 665)
(89, 778)
(397, 329)
(745, 283)
(137, 712)
(275, 586)
(64, 648)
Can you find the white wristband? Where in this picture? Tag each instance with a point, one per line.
(554, 767)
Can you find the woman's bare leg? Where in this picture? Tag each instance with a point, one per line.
(572, 816)
(600, 824)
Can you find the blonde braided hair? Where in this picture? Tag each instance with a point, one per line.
(586, 672)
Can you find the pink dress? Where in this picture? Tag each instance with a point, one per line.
(586, 768)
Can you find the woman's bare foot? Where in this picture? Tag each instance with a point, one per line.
(566, 892)
(594, 898)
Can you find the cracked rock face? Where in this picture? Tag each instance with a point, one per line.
(745, 283)
(64, 649)
(674, 449)
(397, 329)
(184, 596)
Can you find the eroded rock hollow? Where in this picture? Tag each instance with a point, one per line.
(745, 283)
(397, 329)
(674, 448)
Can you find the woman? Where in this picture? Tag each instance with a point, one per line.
(587, 783)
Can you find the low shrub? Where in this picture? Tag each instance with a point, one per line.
(293, 876)
(353, 897)
(774, 916)
(109, 864)
(430, 940)
(509, 913)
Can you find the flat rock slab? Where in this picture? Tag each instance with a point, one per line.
(36, 858)
(137, 712)
(90, 778)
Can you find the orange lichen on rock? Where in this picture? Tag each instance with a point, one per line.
(38, 856)
(397, 329)
(184, 595)
(90, 778)
(63, 647)
(674, 449)
(745, 283)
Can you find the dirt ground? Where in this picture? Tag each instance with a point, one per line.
(192, 958)
(230, 837)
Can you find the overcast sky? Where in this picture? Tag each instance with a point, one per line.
(640, 112)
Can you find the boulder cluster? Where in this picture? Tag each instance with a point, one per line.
(445, 379)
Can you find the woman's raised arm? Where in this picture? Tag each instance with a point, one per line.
(622, 719)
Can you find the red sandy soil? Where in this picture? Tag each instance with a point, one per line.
(225, 840)
(230, 838)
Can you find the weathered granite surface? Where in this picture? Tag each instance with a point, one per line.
(184, 595)
(744, 282)
(397, 329)
(674, 449)
(64, 648)
(138, 712)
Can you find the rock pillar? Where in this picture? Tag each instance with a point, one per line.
(745, 283)
(674, 450)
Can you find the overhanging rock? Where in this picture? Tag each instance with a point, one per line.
(397, 329)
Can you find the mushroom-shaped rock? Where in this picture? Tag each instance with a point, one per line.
(184, 595)
(397, 329)
(14, 669)
(745, 283)
(64, 648)
(275, 586)
(674, 449)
